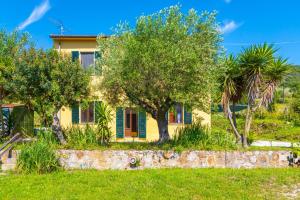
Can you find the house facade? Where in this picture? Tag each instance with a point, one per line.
(128, 124)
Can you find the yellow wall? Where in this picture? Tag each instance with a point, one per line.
(76, 45)
(66, 46)
(151, 124)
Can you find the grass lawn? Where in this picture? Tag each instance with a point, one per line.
(154, 184)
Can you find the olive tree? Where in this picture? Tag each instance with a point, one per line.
(46, 81)
(11, 45)
(167, 57)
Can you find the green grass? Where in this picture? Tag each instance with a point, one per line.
(152, 184)
(269, 127)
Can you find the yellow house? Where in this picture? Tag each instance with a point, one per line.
(128, 124)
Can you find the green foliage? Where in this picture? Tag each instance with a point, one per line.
(47, 136)
(45, 81)
(292, 80)
(196, 135)
(103, 118)
(80, 137)
(87, 136)
(161, 61)
(11, 46)
(38, 157)
(272, 126)
(254, 75)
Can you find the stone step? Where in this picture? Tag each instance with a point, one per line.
(7, 167)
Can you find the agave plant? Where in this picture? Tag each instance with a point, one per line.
(104, 118)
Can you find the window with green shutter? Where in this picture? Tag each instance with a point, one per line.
(75, 114)
(142, 124)
(75, 55)
(187, 115)
(120, 122)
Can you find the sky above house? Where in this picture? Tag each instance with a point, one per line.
(242, 22)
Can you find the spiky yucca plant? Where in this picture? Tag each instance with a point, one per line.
(255, 74)
(232, 87)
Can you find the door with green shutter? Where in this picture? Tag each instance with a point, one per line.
(142, 124)
(120, 122)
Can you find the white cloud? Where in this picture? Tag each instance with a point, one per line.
(227, 1)
(228, 27)
(37, 13)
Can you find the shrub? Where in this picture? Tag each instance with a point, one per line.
(38, 157)
(47, 136)
(198, 136)
(223, 139)
(192, 135)
(104, 117)
(100, 134)
(81, 136)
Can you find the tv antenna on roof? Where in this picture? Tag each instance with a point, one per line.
(59, 25)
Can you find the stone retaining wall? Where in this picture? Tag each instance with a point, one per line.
(77, 159)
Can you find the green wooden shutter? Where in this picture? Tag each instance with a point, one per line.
(97, 111)
(75, 114)
(98, 67)
(187, 115)
(142, 124)
(119, 123)
(75, 55)
(6, 121)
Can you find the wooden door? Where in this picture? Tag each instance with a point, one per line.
(131, 123)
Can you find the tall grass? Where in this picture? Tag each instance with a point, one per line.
(47, 136)
(80, 137)
(38, 157)
(199, 137)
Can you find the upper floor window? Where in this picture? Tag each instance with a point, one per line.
(176, 114)
(87, 59)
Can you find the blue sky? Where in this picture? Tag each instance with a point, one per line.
(242, 21)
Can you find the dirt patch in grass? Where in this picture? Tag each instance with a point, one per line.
(292, 192)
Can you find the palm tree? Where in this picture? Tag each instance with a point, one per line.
(263, 72)
(232, 87)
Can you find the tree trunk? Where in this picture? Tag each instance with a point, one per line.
(2, 121)
(162, 123)
(247, 127)
(234, 115)
(233, 125)
(56, 128)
